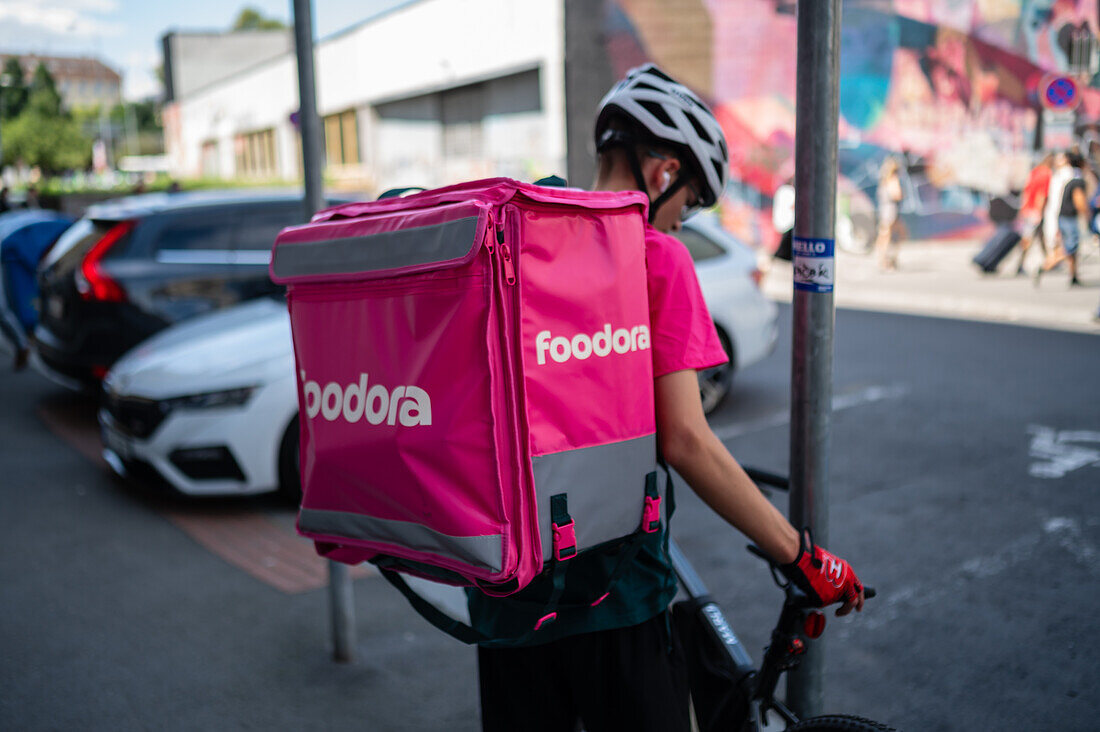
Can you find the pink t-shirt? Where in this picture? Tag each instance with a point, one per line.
(683, 333)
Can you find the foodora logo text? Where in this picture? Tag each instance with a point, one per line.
(408, 405)
(600, 344)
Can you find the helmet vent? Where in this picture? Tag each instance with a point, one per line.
(657, 111)
(651, 69)
(699, 129)
(719, 171)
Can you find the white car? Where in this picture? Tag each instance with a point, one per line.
(210, 406)
(746, 320)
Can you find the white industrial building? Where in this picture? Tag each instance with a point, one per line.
(429, 93)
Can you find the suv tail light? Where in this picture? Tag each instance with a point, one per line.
(91, 281)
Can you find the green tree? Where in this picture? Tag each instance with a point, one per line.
(145, 115)
(43, 97)
(53, 143)
(251, 19)
(13, 89)
(44, 134)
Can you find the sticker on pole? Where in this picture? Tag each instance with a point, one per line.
(813, 264)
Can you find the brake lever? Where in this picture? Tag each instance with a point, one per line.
(780, 582)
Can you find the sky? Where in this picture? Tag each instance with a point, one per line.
(125, 34)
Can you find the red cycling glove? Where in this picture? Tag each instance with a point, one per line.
(824, 577)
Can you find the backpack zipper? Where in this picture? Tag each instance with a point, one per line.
(506, 257)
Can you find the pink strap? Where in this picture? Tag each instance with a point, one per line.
(651, 516)
(546, 619)
(565, 541)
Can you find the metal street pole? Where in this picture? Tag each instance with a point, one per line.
(341, 601)
(816, 111)
(308, 122)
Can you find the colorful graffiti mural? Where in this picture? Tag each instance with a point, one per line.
(948, 86)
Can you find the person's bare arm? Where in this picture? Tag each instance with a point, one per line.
(1080, 202)
(689, 446)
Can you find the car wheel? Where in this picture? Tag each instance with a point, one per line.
(714, 383)
(290, 481)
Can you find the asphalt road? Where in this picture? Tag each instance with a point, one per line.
(965, 460)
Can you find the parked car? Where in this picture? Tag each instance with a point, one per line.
(746, 320)
(210, 406)
(133, 266)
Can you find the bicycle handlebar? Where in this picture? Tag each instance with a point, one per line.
(793, 593)
(764, 477)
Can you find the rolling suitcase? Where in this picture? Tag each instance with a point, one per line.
(996, 249)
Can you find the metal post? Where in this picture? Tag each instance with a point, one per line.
(816, 110)
(342, 610)
(339, 580)
(308, 121)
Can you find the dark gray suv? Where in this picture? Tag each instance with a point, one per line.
(134, 266)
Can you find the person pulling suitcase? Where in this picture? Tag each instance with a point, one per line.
(1029, 220)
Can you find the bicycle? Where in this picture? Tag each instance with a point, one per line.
(735, 693)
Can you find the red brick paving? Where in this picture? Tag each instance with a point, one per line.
(247, 539)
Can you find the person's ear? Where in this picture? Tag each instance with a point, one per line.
(664, 173)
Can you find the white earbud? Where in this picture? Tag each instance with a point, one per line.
(667, 181)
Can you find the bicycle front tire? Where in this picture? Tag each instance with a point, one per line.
(839, 723)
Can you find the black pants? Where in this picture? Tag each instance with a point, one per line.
(626, 679)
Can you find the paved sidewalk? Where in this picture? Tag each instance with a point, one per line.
(937, 278)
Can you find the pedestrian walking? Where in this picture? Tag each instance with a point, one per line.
(783, 218)
(1060, 175)
(887, 197)
(1029, 219)
(617, 664)
(1073, 214)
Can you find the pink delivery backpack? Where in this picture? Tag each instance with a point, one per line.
(475, 382)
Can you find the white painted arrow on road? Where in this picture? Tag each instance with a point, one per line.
(1058, 453)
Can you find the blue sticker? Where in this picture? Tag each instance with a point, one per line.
(814, 262)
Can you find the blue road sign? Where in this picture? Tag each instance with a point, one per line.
(1060, 93)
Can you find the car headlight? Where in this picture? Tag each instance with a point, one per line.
(210, 399)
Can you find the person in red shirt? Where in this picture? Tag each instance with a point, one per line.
(618, 664)
(1029, 219)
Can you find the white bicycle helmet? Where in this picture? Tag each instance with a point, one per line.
(666, 113)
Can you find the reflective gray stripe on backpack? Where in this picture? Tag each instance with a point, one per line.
(601, 482)
(376, 252)
(481, 551)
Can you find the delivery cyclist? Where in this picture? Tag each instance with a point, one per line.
(617, 665)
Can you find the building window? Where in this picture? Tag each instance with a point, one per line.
(256, 154)
(461, 112)
(341, 138)
(210, 159)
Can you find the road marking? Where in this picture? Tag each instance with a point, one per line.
(1057, 453)
(245, 538)
(847, 400)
